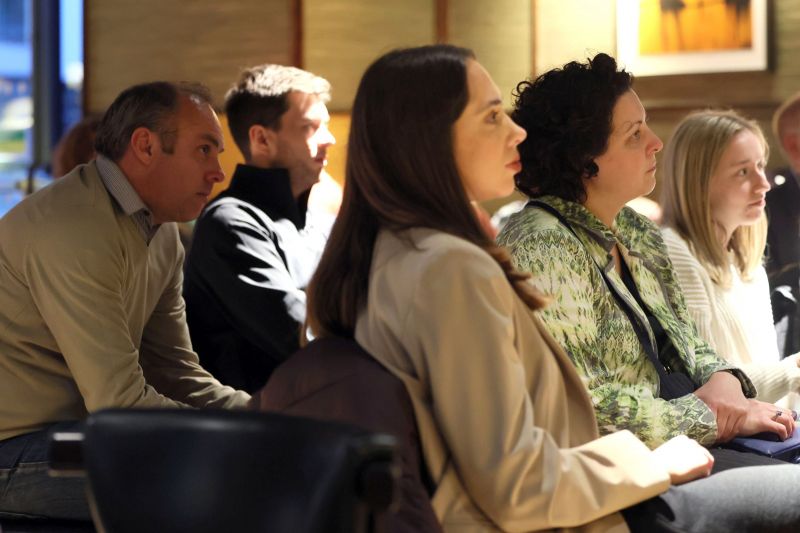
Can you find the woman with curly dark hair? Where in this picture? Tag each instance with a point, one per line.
(618, 309)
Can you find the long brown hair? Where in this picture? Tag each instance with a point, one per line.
(76, 147)
(400, 174)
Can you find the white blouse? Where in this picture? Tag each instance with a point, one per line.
(736, 321)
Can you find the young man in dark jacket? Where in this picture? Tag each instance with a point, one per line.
(255, 248)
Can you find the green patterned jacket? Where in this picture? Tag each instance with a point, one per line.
(594, 330)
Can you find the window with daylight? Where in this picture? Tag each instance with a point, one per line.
(41, 84)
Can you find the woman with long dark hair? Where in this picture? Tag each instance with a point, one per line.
(506, 426)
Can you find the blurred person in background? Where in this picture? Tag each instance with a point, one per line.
(783, 236)
(76, 147)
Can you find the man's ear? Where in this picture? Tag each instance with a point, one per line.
(791, 145)
(143, 143)
(263, 142)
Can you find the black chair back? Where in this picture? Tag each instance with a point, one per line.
(219, 471)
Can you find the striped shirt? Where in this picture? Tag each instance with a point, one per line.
(126, 197)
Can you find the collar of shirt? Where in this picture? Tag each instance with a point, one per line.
(579, 216)
(270, 190)
(126, 197)
(638, 236)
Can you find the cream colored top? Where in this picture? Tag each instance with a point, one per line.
(507, 427)
(736, 321)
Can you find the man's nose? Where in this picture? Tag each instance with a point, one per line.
(217, 173)
(326, 137)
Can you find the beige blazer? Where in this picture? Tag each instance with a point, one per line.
(508, 431)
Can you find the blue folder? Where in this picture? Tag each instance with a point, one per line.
(767, 444)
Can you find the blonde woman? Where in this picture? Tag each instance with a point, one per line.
(713, 197)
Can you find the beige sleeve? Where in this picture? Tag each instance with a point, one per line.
(462, 326)
(170, 364)
(76, 285)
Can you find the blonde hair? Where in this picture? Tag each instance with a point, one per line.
(689, 161)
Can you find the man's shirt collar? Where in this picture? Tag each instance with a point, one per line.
(270, 190)
(126, 197)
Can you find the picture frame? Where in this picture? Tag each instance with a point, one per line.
(664, 37)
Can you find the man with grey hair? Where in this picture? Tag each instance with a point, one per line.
(254, 247)
(91, 313)
(783, 236)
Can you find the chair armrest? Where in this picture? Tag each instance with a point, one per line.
(65, 454)
(379, 474)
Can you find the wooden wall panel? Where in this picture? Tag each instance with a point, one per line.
(564, 33)
(210, 41)
(342, 37)
(203, 40)
(570, 30)
(756, 94)
(500, 36)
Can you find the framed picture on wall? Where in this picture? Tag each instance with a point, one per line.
(659, 37)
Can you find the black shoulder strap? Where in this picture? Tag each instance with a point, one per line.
(641, 331)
